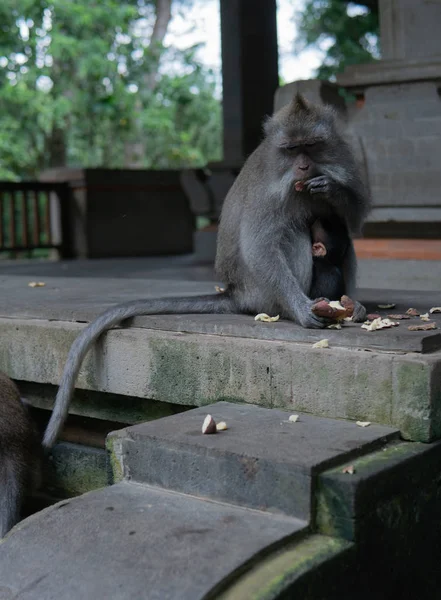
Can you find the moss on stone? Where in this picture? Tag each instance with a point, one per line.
(74, 470)
(273, 575)
(412, 405)
(341, 498)
(114, 458)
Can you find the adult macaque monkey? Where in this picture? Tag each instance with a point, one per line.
(20, 454)
(302, 171)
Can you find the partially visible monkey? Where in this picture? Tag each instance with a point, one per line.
(264, 252)
(20, 455)
(330, 241)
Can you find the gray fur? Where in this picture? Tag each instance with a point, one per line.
(219, 303)
(20, 455)
(264, 241)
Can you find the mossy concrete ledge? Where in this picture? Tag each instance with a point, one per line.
(392, 387)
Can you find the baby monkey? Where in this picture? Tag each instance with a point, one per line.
(330, 241)
(20, 454)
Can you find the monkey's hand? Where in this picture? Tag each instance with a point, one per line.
(306, 318)
(323, 185)
(359, 313)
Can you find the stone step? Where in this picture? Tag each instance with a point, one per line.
(397, 274)
(132, 541)
(390, 376)
(387, 508)
(373, 532)
(262, 460)
(397, 487)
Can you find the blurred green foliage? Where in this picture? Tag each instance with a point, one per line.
(73, 90)
(348, 32)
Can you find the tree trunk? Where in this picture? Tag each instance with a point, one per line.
(56, 145)
(163, 16)
(134, 151)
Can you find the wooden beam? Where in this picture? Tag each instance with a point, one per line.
(249, 72)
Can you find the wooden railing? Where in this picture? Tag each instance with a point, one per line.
(32, 217)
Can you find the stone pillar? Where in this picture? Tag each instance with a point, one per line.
(315, 90)
(397, 120)
(410, 29)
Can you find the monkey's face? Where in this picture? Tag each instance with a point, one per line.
(303, 164)
(298, 157)
(305, 139)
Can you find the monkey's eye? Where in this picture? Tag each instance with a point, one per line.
(317, 143)
(293, 149)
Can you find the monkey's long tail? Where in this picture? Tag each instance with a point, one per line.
(211, 304)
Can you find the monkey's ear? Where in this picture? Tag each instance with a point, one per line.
(299, 103)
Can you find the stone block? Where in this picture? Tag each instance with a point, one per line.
(205, 246)
(389, 508)
(315, 90)
(401, 153)
(357, 77)
(416, 406)
(409, 30)
(262, 460)
(154, 218)
(132, 541)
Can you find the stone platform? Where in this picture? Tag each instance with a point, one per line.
(261, 511)
(390, 377)
(419, 268)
